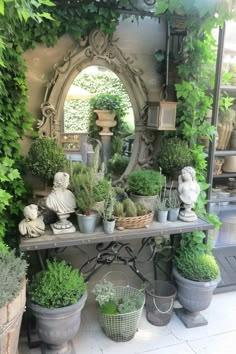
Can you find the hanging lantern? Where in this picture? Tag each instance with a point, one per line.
(162, 115)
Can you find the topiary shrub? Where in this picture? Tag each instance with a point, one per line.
(58, 286)
(194, 259)
(12, 273)
(145, 182)
(45, 158)
(198, 267)
(174, 154)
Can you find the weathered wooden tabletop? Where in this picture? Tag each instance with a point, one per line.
(48, 240)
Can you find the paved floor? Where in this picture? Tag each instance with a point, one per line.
(218, 337)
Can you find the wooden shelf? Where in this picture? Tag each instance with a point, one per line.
(225, 153)
(225, 175)
(231, 90)
(48, 240)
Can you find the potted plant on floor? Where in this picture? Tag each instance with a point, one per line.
(57, 296)
(12, 298)
(120, 309)
(83, 186)
(108, 218)
(144, 187)
(174, 154)
(197, 275)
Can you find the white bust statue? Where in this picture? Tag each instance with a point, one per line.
(32, 225)
(61, 200)
(189, 190)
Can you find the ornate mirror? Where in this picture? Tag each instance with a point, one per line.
(97, 51)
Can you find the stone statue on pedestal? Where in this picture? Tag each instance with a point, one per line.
(32, 225)
(189, 190)
(62, 201)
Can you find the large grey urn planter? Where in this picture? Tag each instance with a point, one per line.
(194, 296)
(57, 327)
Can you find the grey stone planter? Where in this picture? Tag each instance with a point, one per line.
(149, 201)
(87, 223)
(108, 226)
(56, 327)
(194, 296)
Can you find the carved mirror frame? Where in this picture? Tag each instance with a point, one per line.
(97, 49)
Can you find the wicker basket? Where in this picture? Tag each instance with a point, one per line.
(134, 222)
(122, 327)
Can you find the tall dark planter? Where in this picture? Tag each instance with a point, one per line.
(57, 327)
(194, 296)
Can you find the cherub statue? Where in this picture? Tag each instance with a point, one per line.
(32, 225)
(62, 201)
(189, 190)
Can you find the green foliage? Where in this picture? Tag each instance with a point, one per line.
(109, 304)
(45, 158)
(83, 186)
(119, 209)
(141, 209)
(108, 209)
(106, 101)
(193, 258)
(174, 154)
(173, 200)
(129, 208)
(12, 274)
(117, 164)
(145, 182)
(101, 190)
(199, 267)
(58, 286)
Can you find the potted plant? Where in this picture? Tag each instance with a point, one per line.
(57, 296)
(120, 309)
(106, 106)
(174, 154)
(131, 215)
(197, 275)
(101, 190)
(162, 208)
(108, 218)
(173, 203)
(144, 187)
(12, 299)
(83, 186)
(45, 158)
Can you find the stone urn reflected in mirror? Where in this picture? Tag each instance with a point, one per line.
(106, 120)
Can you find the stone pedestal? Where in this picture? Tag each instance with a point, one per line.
(63, 226)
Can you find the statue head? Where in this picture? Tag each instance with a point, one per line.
(31, 212)
(61, 180)
(188, 173)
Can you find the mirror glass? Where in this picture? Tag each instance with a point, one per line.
(77, 124)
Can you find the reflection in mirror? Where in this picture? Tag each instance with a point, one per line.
(80, 120)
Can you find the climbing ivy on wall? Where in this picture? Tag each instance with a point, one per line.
(196, 74)
(24, 24)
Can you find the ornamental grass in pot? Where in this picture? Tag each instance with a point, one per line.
(173, 203)
(144, 187)
(107, 213)
(197, 275)
(83, 186)
(56, 297)
(12, 298)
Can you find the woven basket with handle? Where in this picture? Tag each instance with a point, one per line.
(134, 222)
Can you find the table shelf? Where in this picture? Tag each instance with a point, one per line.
(48, 240)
